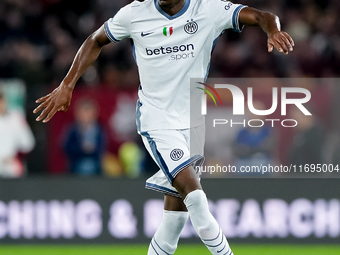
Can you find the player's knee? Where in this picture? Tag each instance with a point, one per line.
(188, 190)
(174, 204)
(197, 199)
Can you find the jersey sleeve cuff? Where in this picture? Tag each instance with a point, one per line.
(236, 19)
(109, 34)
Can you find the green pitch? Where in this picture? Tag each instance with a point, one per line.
(244, 249)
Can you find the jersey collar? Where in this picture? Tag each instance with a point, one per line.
(180, 13)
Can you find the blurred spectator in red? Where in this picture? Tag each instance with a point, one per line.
(85, 140)
(15, 137)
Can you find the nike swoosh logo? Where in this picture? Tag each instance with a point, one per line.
(146, 34)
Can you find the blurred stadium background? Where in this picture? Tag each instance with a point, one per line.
(58, 188)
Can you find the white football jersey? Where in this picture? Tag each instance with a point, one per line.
(169, 50)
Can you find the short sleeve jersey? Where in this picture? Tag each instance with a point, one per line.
(169, 50)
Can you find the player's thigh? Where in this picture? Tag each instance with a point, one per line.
(186, 181)
(174, 204)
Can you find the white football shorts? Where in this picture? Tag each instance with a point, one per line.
(173, 151)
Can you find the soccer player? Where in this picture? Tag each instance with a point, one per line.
(172, 42)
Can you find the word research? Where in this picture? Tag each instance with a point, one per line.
(239, 106)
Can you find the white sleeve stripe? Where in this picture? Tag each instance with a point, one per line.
(109, 34)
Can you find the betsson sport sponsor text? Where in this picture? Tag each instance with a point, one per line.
(184, 52)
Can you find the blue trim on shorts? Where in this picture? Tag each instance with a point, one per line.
(167, 191)
(185, 164)
(138, 113)
(158, 157)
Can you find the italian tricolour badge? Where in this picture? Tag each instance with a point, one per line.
(168, 31)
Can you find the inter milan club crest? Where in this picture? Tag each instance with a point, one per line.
(191, 27)
(176, 154)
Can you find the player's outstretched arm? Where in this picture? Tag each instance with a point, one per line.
(60, 98)
(270, 24)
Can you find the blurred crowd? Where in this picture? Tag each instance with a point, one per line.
(313, 24)
(39, 39)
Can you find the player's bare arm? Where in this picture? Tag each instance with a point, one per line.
(270, 24)
(60, 98)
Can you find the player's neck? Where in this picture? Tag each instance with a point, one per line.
(171, 7)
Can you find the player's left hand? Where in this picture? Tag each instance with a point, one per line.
(280, 41)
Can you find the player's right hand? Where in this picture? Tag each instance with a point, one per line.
(58, 100)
